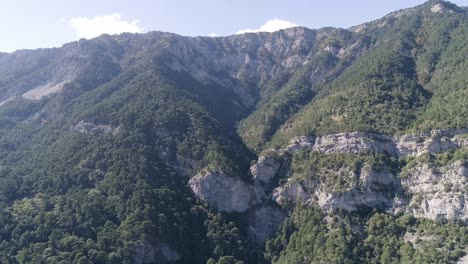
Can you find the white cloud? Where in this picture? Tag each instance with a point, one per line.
(213, 35)
(108, 24)
(270, 26)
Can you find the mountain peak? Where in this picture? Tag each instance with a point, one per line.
(440, 6)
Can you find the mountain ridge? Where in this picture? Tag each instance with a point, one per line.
(296, 146)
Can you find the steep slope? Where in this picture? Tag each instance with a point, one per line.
(136, 148)
(113, 168)
(332, 51)
(398, 85)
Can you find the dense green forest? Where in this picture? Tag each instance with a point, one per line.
(306, 237)
(99, 171)
(413, 79)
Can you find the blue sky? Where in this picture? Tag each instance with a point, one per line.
(28, 24)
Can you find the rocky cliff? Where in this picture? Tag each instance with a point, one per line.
(424, 191)
(438, 192)
(432, 142)
(222, 192)
(370, 188)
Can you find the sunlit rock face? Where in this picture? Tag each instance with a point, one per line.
(223, 192)
(369, 188)
(438, 192)
(265, 169)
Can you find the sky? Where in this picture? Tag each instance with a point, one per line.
(30, 24)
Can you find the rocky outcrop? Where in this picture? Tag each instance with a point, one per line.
(352, 200)
(438, 192)
(443, 6)
(433, 192)
(354, 142)
(265, 169)
(229, 194)
(223, 192)
(292, 191)
(437, 8)
(371, 179)
(86, 127)
(432, 142)
(299, 143)
(244, 61)
(373, 188)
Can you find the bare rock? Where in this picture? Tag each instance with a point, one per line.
(265, 169)
(299, 143)
(44, 90)
(354, 142)
(292, 191)
(375, 188)
(432, 142)
(463, 260)
(225, 193)
(438, 192)
(371, 179)
(352, 200)
(437, 8)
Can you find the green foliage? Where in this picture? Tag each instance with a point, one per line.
(86, 197)
(376, 94)
(260, 125)
(71, 196)
(308, 236)
(285, 94)
(413, 78)
(325, 168)
(437, 160)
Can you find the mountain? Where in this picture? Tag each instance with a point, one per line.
(297, 146)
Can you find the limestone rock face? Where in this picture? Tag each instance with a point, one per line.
(442, 7)
(265, 169)
(437, 8)
(299, 143)
(246, 60)
(371, 179)
(432, 142)
(293, 191)
(354, 142)
(352, 200)
(424, 192)
(223, 192)
(374, 188)
(438, 192)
